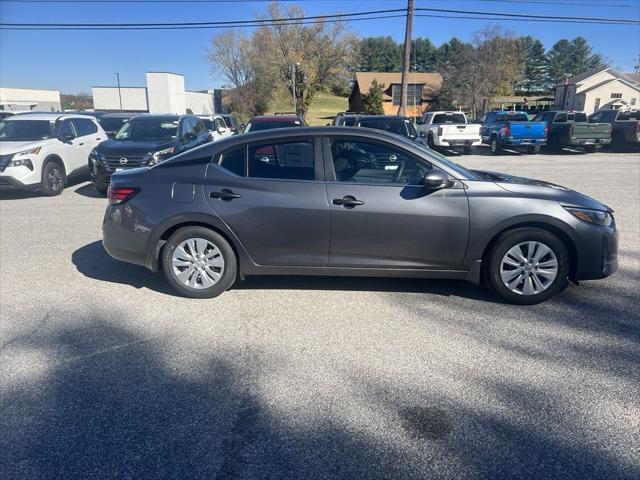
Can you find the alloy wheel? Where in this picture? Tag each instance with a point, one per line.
(54, 178)
(529, 268)
(197, 263)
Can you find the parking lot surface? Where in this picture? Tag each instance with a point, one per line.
(104, 373)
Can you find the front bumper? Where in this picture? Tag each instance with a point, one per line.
(10, 183)
(597, 252)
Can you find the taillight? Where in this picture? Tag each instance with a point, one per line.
(546, 130)
(440, 131)
(571, 130)
(507, 131)
(118, 195)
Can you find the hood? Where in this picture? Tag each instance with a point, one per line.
(541, 189)
(7, 148)
(126, 147)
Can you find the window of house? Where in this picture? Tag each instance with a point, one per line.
(284, 160)
(414, 93)
(633, 101)
(616, 95)
(597, 105)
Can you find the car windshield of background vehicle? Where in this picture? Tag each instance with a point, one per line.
(25, 130)
(111, 124)
(449, 118)
(459, 169)
(148, 130)
(208, 124)
(399, 127)
(257, 126)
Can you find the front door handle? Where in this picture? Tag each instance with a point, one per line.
(224, 194)
(348, 201)
(81, 143)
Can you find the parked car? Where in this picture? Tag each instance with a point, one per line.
(571, 129)
(232, 123)
(351, 201)
(42, 150)
(346, 119)
(625, 126)
(268, 122)
(142, 141)
(449, 130)
(510, 129)
(392, 124)
(5, 114)
(112, 122)
(216, 126)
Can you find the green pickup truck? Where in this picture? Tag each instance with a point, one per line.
(572, 129)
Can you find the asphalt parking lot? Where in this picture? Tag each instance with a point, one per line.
(104, 373)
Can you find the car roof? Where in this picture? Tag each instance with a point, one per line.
(120, 115)
(160, 116)
(276, 118)
(52, 117)
(383, 117)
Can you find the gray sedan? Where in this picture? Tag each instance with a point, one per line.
(352, 201)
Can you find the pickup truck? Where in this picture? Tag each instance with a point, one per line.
(569, 129)
(449, 130)
(510, 129)
(625, 126)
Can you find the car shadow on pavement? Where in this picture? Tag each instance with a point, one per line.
(115, 403)
(93, 261)
(88, 190)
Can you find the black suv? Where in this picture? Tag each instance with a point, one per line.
(390, 123)
(144, 141)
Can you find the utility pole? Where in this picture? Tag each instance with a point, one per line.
(407, 58)
(119, 92)
(295, 101)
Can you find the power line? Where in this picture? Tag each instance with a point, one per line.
(533, 2)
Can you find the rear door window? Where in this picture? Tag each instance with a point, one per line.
(286, 160)
(84, 126)
(234, 161)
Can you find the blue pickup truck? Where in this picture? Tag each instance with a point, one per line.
(509, 129)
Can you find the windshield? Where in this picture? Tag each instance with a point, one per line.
(397, 126)
(112, 124)
(449, 118)
(257, 126)
(149, 129)
(25, 130)
(208, 124)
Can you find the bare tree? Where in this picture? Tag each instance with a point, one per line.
(230, 55)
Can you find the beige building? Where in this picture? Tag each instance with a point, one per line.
(604, 88)
(26, 99)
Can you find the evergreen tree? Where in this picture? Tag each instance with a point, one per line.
(373, 102)
(536, 67)
(379, 54)
(423, 55)
(568, 58)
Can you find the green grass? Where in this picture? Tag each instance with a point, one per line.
(324, 105)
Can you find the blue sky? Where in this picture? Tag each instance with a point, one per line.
(73, 61)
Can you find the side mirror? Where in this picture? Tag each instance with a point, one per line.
(435, 180)
(111, 135)
(221, 130)
(67, 137)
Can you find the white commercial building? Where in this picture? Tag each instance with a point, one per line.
(164, 93)
(26, 99)
(599, 89)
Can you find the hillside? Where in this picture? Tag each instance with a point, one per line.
(322, 110)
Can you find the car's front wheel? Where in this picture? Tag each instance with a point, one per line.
(199, 263)
(53, 179)
(528, 266)
(495, 146)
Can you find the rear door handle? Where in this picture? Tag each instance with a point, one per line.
(224, 194)
(348, 201)
(81, 143)
(99, 138)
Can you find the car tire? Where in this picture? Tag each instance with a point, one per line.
(186, 267)
(102, 190)
(469, 150)
(53, 179)
(430, 143)
(495, 146)
(519, 279)
(591, 148)
(534, 149)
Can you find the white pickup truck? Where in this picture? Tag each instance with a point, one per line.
(449, 131)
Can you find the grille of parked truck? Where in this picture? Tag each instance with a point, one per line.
(513, 130)
(449, 131)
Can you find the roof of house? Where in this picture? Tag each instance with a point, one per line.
(633, 78)
(584, 75)
(386, 79)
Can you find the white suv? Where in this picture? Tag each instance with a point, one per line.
(41, 150)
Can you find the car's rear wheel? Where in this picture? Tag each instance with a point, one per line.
(495, 146)
(199, 263)
(591, 148)
(53, 179)
(528, 266)
(533, 149)
(102, 190)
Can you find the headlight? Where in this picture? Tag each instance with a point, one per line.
(33, 151)
(595, 217)
(96, 155)
(157, 157)
(21, 162)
